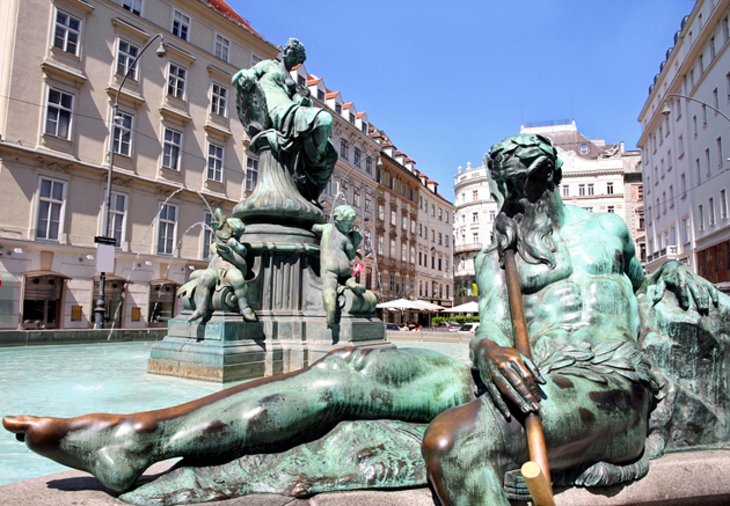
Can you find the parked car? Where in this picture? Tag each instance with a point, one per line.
(448, 326)
(469, 327)
(392, 326)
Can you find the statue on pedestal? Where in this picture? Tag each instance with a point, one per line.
(594, 321)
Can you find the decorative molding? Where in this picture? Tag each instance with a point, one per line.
(130, 30)
(219, 73)
(175, 115)
(52, 70)
(177, 53)
(217, 130)
(126, 96)
(80, 5)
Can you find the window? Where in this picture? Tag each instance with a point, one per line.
(207, 234)
(404, 222)
(671, 195)
(368, 165)
(475, 217)
(590, 188)
(356, 197)
(707, 160)
(58, 113)
(252, 173)
(381, 212)
(581, 190)
(701, 217)
(392, 218)
(475, 238)
(609, 188)
(215, 162)
(711, 211)
(718, 143)
(441, 214)
(433, 210)
(66, 33)
(380, 244)
(176, 81)
(687, 230)
(218, 99)
(391, 248)
(221, 47)
(320, 95)
(441, 239)
(723, 204)
(301, 81)
(566, 190)
(356, 155)
(368, 203)
(474, 195)
(611, 209)
(180, 25)
(134, 6)
(167, 224)
(403, 253)
(338, 108)
(344, 149)
(364, 127)
(352, 119)
(123, 134)
(683, 184)
(126, 54)
(118, 217)
(171, 147)
(51, 202)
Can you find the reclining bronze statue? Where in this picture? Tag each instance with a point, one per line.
(603, 379)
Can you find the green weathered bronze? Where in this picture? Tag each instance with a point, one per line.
(624, 366)
(290, 134)
(221, 286)
(338, 250)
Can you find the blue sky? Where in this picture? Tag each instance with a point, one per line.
(446, 80)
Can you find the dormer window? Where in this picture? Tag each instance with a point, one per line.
(338, 108)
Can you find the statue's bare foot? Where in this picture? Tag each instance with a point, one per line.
(248, 314)
(101, 444)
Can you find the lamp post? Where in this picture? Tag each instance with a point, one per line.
(107, 240)
(667, 110)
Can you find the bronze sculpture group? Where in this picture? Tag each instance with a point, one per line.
(598, 377)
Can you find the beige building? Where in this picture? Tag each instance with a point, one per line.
(596, 176)
(684, 147)
(178, 151)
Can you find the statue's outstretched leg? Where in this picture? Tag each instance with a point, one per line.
(412, 385)
(240, 290)
(329, 297)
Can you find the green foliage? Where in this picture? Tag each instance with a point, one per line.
(437, 320)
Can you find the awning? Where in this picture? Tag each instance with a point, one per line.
(163, 282)
(38, 274)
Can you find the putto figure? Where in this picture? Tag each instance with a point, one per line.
(338, 250)
(224, 276)
(590, 381)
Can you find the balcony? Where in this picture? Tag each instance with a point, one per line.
(465, 248)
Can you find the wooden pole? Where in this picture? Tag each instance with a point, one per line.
(533, 427)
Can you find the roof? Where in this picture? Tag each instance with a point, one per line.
(360, 115)
(332, 94)
(312, 80)
(347, 105)
(225, 9)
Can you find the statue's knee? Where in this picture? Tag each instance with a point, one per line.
(447, 432)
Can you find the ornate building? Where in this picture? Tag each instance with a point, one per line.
(177, 152)
(684, 147)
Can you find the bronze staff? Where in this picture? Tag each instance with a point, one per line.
(538, 483)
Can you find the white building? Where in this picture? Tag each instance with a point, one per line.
(685, 143)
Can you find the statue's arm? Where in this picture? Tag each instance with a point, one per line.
(506, 373)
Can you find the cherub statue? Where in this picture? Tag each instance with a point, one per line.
(338, 250)
(227, 268)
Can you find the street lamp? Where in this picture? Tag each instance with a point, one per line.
(667, 110)
(106, 240)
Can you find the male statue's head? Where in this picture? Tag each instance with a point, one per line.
(294, 53)
(524, 174)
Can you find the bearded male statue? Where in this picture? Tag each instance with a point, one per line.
(590, 382)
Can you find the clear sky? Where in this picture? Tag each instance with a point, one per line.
(445, 80)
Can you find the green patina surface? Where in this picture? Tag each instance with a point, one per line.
(624, 367)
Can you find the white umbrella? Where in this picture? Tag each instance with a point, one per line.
(469, 307)
(427, 306)
(399, 304)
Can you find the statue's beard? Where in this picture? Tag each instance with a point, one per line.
(531, 228)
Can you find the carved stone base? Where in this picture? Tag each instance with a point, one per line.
(226, 348)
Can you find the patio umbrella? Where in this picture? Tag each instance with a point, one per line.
(469, 307)
(427, 306)
(399, 304)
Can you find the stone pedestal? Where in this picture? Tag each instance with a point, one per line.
(285, 291)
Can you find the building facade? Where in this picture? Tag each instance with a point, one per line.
(684, 145)
(177, 152)
(596, 176)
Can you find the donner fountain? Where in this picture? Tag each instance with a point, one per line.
(614, 367)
